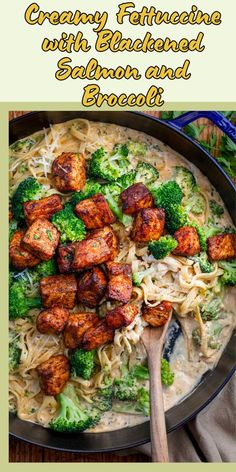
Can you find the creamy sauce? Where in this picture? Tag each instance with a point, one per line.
(188, 374)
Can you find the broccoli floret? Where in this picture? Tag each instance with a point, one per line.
(204, 264)
(146, 173)
(73, 416)
(140, 372)
(176, 217)
(167, 194)
(120, 151)
(212, 332)
(125, 387)
(138, 401)
(14, 352)
(212, 230)
(126, 180)
(71, 228)
(90, 189)
(19, 303)
(202, 237)
(112, 193)
(211, 309)
(82, 363)
(161, 248)
(100, 166)
(229, 275)
(143, 401)
(110, 166)
(136, 148)
(28, 189)
(44, 269)
(186, 180)
(202, 234)
(139, 276)
(141, 406)
(20, 277)
(216, 209)
(134, 399)
(193, 201)
(167, 376)
(12, 228)
(103, 398)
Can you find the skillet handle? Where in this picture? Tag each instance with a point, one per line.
(217, 118)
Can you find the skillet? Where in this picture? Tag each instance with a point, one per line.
(213, 381)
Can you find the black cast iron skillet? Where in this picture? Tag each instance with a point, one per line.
(213, 381)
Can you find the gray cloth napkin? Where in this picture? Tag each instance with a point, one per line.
(211, 436)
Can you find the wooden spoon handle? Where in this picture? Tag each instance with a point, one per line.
(153, 339)
(159, 444)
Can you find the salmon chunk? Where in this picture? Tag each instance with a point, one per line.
(118, 268)
(41, 238)
(65, 256)
(92, 287)
(121, 316)
(148, 225)
(68, 172)
(95, 212)
(100, 246)
(157, 315)
(188, 242)
(97, 336)
(20, 258)
(58, 290)
(109, 237)
(44, 208)
(90, 252)
(53, 320)
(120, 282)
(77, 326)
(135, 198)
(53, 374)
(119, 288)
(221, 246)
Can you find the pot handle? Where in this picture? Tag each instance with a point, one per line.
(217, 118)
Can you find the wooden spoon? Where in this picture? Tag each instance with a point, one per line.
(153, 339)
